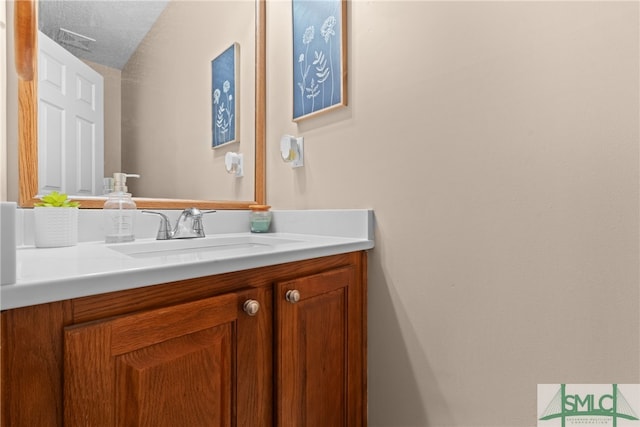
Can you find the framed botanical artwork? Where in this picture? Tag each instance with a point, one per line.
(225, 100)
(319, 56)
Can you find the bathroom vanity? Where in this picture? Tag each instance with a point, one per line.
(277, 340)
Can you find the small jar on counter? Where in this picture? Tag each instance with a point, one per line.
(260, 218)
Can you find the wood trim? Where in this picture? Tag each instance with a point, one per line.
(364, 368)
(144, 203)
(27, 140)
(139, 330)
(96, 307)
(26, 66)
(345, 55)
(26, 48)
(261, 103)
(25, 38)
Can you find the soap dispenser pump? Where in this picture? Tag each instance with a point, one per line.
(119, 211)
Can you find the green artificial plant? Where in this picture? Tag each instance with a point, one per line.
(56, 200)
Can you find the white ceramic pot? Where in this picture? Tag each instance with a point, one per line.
(55, 227)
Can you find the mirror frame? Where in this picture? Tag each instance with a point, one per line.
(26, 66)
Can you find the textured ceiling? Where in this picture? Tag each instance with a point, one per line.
(117, 26)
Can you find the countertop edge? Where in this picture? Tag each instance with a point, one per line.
(23, 295)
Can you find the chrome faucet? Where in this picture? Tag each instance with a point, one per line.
(188, 226)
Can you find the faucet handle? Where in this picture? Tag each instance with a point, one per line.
(197, 225)
(164, 232)
(195, 212)
(189, 224)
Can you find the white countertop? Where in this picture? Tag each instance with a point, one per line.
(91, 268)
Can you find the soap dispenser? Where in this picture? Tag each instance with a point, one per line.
(119, 211)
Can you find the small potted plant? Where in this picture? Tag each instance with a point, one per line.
(56, 221)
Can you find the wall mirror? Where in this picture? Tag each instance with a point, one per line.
(25, 16)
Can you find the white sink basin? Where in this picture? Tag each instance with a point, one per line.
(232, 244)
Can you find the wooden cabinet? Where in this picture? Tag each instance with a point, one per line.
(171, 366)
(318, 353)
(199, 352)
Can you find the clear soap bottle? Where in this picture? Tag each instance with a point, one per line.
(119, 211)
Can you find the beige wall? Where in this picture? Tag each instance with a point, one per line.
(498, 144)
(167, 129)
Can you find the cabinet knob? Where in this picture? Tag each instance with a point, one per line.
(251, 307)
(292, 296)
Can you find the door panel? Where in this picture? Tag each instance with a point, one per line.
(70, 123)
(313, 357)
(164, 367)
(153, 386)
(51, 123)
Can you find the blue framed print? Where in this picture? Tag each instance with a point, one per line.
(319, 56)
(225, 100)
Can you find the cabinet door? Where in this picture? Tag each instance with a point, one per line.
(320, 351)
(173, 366)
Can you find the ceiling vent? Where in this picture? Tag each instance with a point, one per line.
(69, 38)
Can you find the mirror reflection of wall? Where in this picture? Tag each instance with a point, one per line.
(3, 102)
(158, 99)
